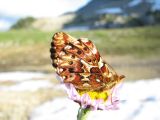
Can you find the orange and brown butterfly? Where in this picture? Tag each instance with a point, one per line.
(78, 62)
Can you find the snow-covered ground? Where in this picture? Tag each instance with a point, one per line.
(140, 100)
(25, 81)
(30, 85)
(19, 76)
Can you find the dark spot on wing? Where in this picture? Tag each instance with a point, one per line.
(52, 50)
(82, 77)
(52, 44)
(94, 70)
(54, 65)
(52, 56)
(79, 52)
(70, 62)
(71, 70)
(73, 56)
(85, 48)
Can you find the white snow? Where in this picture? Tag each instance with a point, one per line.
(31, 85)
(141, 90)
(58, 109)
(19, 76)
(139, 101)
(25, 81)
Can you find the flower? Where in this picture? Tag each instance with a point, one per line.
(94, 100)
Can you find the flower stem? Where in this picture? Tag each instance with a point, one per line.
(82, 113)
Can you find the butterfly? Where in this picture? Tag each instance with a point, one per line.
(78, 62)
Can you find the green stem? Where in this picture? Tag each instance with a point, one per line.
(82, 113)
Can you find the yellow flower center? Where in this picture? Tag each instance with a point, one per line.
(96, 94)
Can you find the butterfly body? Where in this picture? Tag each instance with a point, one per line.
(78, 62)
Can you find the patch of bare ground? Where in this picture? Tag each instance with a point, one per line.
(135, 68)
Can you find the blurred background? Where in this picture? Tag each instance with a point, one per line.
(126, 33)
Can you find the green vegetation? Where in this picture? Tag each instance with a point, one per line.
(24, 37)
(137, 41)
(23, 23)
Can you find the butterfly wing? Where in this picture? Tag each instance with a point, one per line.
(78, 62)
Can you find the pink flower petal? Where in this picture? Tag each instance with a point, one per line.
(85, 100)
(72, 93)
